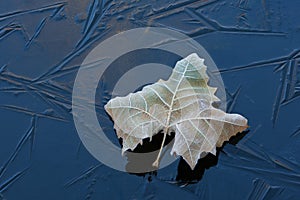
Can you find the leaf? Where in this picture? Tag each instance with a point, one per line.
(182, 104)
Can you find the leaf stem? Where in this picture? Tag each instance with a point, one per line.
(156, 162)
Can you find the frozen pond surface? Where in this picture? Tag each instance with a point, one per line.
(255, 44)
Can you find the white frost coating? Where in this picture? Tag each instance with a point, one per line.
(182, 104)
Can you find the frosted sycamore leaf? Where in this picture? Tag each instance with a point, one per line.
(182, 104)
